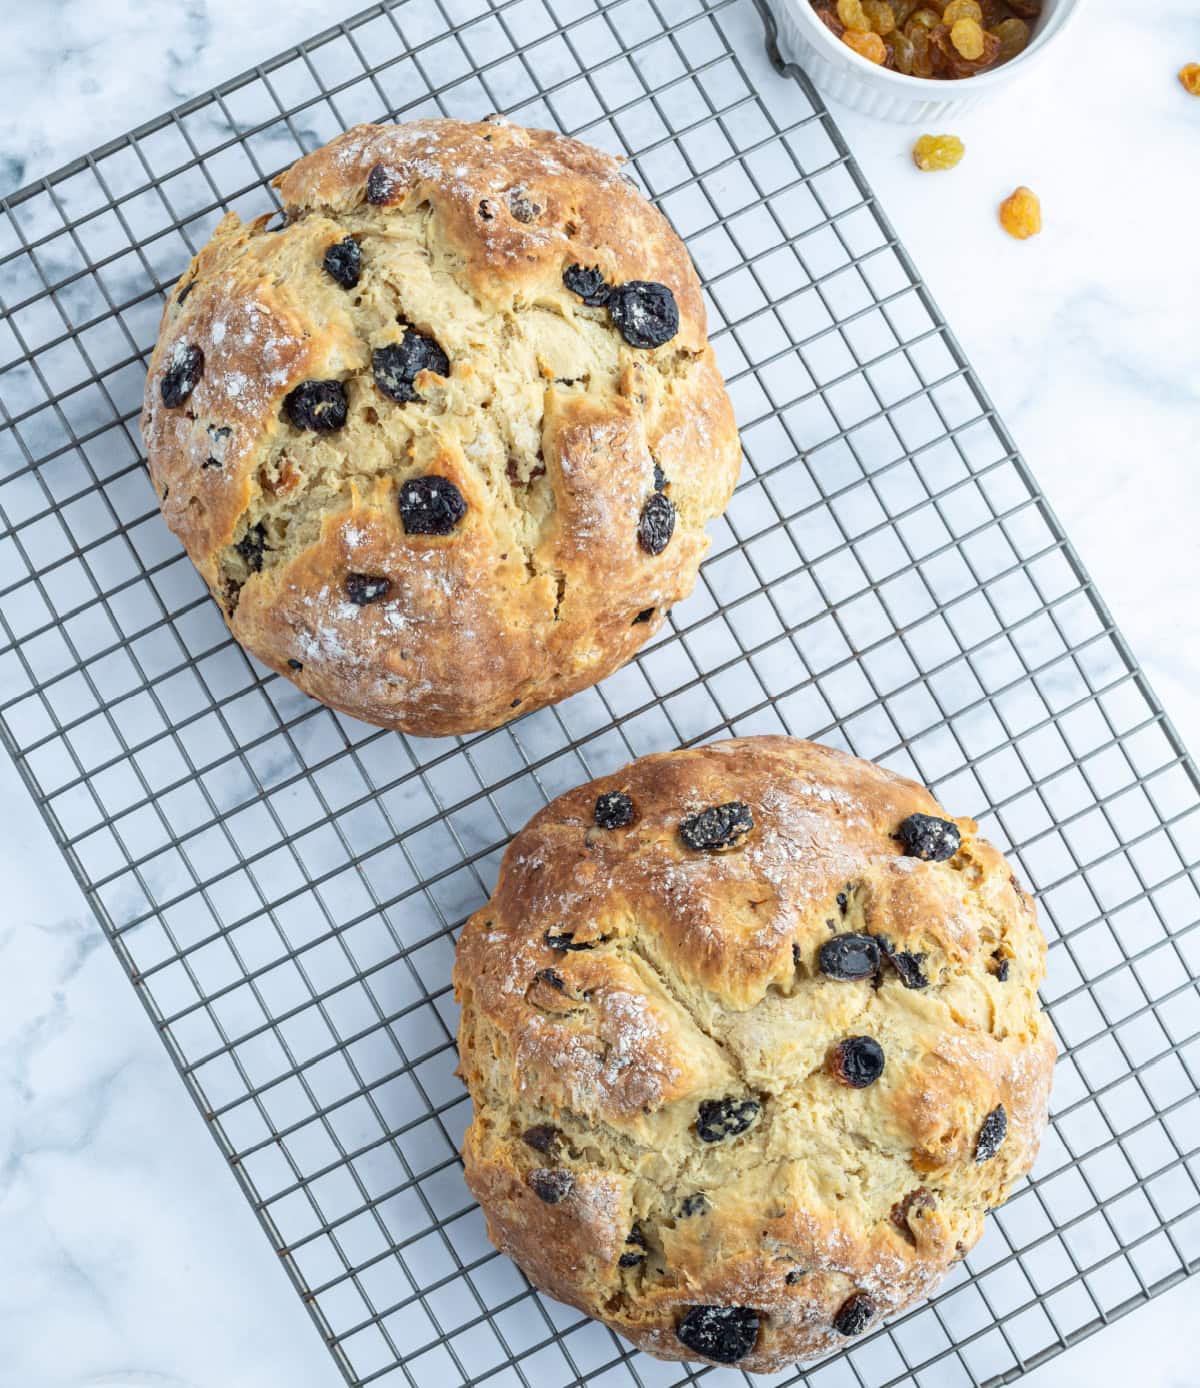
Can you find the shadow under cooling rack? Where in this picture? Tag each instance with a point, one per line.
(283, 884)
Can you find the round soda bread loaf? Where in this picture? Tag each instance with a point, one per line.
(753, 1039)
(444, 445)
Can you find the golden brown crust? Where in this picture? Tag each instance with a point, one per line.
(549, 423)
(581, 210)
(693, 977)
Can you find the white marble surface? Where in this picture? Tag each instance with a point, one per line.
(129, 1256)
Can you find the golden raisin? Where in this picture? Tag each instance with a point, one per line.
(922, 54)
(1190, 77)
(830, 21)
(967, 37)
(902, 52)
(932, 153)
(924, 18)
(1014, 37)
(1021, 214)
(951, 63)
(868, 46)
(962, 9)
(879, 12)
(850, 12)
(902, 9)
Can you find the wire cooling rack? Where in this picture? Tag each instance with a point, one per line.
(283, 884)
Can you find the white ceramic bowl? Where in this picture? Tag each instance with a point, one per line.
(839, 73)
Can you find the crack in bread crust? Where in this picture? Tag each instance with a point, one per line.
(703, 982)
(549, 424)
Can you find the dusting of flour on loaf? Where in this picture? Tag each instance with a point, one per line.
(464, 231)
(666, 1012)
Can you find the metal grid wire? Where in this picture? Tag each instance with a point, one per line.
(283, 884)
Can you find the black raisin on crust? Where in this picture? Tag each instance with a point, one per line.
(992, 1134)
(565, 940)
(927, 837)
(343, 262)
(644, 313)
(694, 1205)
(588, 283)
(185, 291)
(723, 1334)
(794, 1276)
(857, 1061)
(850, 956)
(431, 505)
(381, 184)
(523, 207)
(317, 405)
(252, 546)
(913, 1207)
(660, 479)
(843, 902)
(644, 615)
(1000, 972)
(638, 1250)
(854, 1314)
(219, 436)
(908, 966)
(294, 664)
(656, 524)
(182, 376)
(542, 1137)
(717, 828)
(614, 810)
(550, 1185)
(363, 589)
(553, 978)
(397, 365)
(718, 1119)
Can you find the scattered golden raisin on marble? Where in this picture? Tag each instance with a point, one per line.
(1189, 75)
(932, 153)
(946, 40)
(1021, 214)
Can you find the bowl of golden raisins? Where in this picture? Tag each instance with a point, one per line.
(910, 60)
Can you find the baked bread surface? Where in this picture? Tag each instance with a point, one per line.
(554, 430)
(651, 1041)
